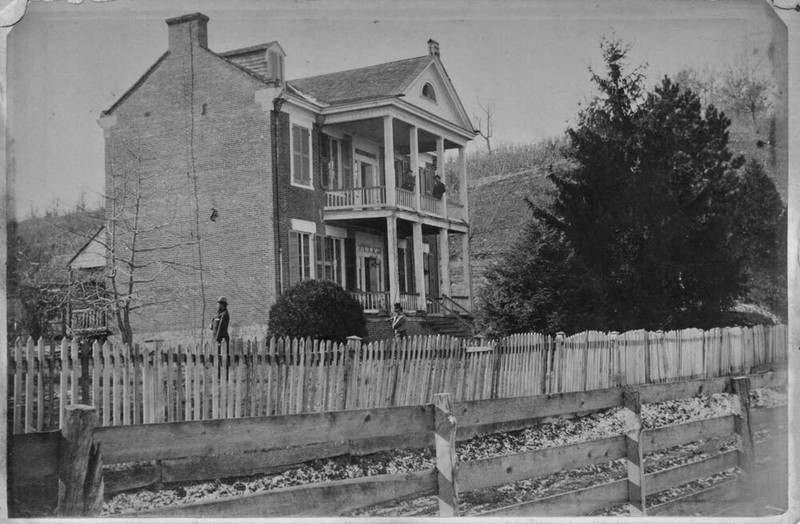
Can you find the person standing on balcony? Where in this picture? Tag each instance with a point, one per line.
(398, 320)
(438, 188)
(219, 325)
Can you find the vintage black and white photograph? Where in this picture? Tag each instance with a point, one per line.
(400, 259)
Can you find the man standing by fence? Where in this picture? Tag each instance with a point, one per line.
(398, 321)
(219, 325)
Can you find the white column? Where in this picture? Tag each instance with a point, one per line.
(394, 276)
(419, 266)
(444, 262)
(440, 170)
(413, 144)
(462, 175)
(388, 162)
(467, 271)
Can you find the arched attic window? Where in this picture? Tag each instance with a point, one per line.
(428, 92)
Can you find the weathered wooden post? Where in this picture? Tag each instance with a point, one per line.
(350, 380)
(497, 358)
(446, 458)
(744, 433)
(80, 469)
(632, 413)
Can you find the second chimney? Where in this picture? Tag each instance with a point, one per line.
(433, 47)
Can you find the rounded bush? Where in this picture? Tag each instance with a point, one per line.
(318, 309)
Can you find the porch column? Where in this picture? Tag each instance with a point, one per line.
(467, 271)
(462, 176)
(444, 261)
(413, 141)
(419, 266)
(394, 276)
(388, 161)
(440, 170)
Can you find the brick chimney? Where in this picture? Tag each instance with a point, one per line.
(186, 31)
(433, 47)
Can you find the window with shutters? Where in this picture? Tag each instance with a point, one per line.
(301, 156)
(300, 257)
(331, 176)
(330, 259)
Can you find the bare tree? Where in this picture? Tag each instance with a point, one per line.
(486, 117)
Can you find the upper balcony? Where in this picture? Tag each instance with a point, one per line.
(362, 198)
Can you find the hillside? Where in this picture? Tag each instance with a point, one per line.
(499, 211)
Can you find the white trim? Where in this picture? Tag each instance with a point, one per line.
(303, 226)
(333, 231)
(303, 120)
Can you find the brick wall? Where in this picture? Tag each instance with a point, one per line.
(200, 142)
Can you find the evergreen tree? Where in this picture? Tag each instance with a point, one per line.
(644, 222)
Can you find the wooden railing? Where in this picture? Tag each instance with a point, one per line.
(430, 205)
(372, 300)
(203, 450)
(281, 376)
(88, 321)
(405, 198)
(356, 197)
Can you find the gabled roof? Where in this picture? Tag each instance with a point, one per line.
(91, 251)
(365, 83)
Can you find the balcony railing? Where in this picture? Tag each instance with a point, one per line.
(363, 197)
(356, 198)
(430, 205)
(372, 300)
(86, 321)
(380, 300)
(405, 198)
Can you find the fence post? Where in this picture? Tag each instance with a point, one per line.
(741, 388)
(497, 356)
(80, 469)
(350, 390)
(446, 458)
(632, 413)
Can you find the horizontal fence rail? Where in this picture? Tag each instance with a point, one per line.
(203, 450)
(282, 376)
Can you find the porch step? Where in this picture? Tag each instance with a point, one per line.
(448, 325)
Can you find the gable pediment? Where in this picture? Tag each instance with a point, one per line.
(432, 91)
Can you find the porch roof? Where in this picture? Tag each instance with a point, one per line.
(365, 83)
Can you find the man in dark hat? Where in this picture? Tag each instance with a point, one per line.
(398, 321)
(438, 188)
(219, 325)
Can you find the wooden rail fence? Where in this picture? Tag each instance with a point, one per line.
(281, 376)
(201, 450)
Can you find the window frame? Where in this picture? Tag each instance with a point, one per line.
(309, 141)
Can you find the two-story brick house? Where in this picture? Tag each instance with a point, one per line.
(240, 183)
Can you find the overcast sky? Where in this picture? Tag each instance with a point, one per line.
(67, 63)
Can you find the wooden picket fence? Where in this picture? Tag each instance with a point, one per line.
(281, 376)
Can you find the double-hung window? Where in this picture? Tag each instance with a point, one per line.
(301, 156)
(330, 259)
(301, 251)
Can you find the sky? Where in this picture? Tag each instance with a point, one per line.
(529, 59)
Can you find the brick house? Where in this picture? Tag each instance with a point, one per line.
(240, 183)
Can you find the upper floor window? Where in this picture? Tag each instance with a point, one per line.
(428, 92)
(301, 156)
(331, 178)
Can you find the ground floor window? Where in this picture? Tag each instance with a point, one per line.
(300, 257)
(330, 259)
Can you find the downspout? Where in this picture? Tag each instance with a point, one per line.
(277, 103)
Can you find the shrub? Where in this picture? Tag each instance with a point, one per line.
(317, 309)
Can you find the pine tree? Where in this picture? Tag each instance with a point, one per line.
(643, 231)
